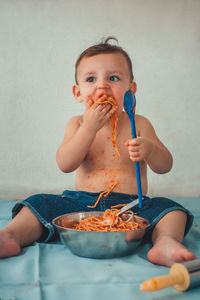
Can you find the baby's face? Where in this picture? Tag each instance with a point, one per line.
(103, 74)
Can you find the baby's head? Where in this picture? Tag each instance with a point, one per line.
(104, 48)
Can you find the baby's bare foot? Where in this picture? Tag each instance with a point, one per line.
(8, 245)
(168, 251)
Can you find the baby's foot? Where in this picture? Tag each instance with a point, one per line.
(168, 251)
(8, 245)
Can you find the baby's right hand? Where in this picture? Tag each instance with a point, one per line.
(97, 115)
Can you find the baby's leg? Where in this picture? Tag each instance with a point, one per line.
(167, 237)
(22, 231)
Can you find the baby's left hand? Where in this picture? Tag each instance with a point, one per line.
(139, 148)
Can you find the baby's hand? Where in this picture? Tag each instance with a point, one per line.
(97, 114)
(139, 148)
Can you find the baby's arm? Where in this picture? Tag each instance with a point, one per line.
(79, 135)
(149, 148)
